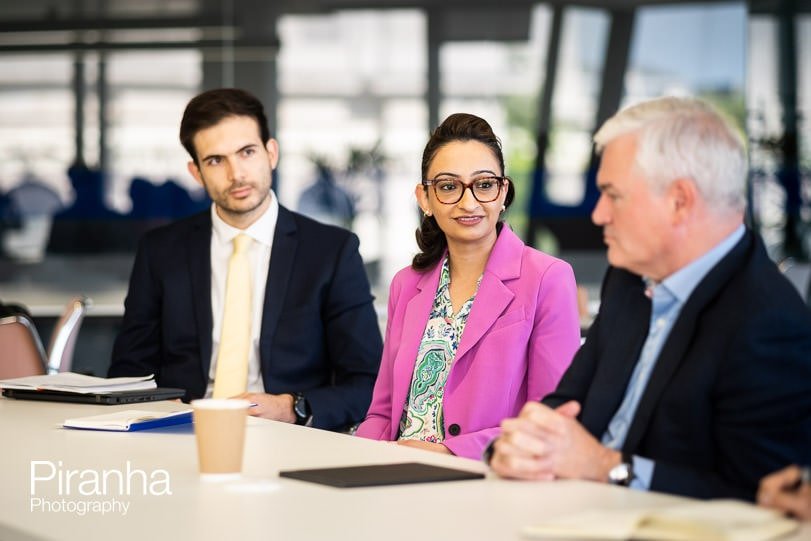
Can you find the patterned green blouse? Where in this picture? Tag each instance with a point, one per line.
(423, 418)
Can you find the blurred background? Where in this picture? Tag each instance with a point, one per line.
(92, 91)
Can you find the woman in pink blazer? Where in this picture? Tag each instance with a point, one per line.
(479, 323)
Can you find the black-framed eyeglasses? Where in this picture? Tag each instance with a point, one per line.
(451, 190)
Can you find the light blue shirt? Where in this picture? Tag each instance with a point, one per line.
(667, 298)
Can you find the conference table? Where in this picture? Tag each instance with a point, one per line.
(162, 496)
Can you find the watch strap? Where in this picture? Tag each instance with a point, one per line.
(628, 460)
(301, 409)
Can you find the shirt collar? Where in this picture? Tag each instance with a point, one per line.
(682, 282)
(261, 230)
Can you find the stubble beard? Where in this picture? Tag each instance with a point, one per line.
(240, 213)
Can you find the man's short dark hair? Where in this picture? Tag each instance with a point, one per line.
(210, 107)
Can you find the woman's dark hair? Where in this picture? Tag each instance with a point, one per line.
(457, 127)
(210, 107)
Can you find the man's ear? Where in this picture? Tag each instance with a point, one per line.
(683, 195)
(195, 172)
(272, 146)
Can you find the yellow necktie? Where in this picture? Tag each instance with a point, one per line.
(231, 376)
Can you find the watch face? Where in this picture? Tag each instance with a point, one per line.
(299, 408)
(620, 474)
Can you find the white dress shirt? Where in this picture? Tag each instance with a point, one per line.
(222, 246)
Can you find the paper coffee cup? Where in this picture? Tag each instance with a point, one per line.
(219, 427)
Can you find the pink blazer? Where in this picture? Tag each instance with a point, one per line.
(520, 337)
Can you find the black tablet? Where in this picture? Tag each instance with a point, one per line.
(381, 474)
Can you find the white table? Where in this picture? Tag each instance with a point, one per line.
(261, 505)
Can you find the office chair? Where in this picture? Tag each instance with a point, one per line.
(21, 352)
(63, 338)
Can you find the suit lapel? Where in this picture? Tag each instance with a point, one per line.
(681, 337)
(622, 342)
(282, 255)
(198, 256)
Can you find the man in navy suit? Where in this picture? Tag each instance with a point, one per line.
(315, 344)
(695, 378)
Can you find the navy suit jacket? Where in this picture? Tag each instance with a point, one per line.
(319, 332)
(729, 399)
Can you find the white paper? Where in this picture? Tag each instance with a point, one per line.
(79, 383)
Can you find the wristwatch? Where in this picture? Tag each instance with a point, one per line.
(302, 410)
(623, 473)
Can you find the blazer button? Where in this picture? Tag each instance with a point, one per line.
(454, 429)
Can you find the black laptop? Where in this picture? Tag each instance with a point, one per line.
(108, 398)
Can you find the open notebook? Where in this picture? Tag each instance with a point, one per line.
(719, 520)
(130, 420)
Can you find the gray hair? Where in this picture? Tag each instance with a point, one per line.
(684, 138)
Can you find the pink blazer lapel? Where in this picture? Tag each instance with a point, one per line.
(493, 296)
(414, 320)
(491, 300)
